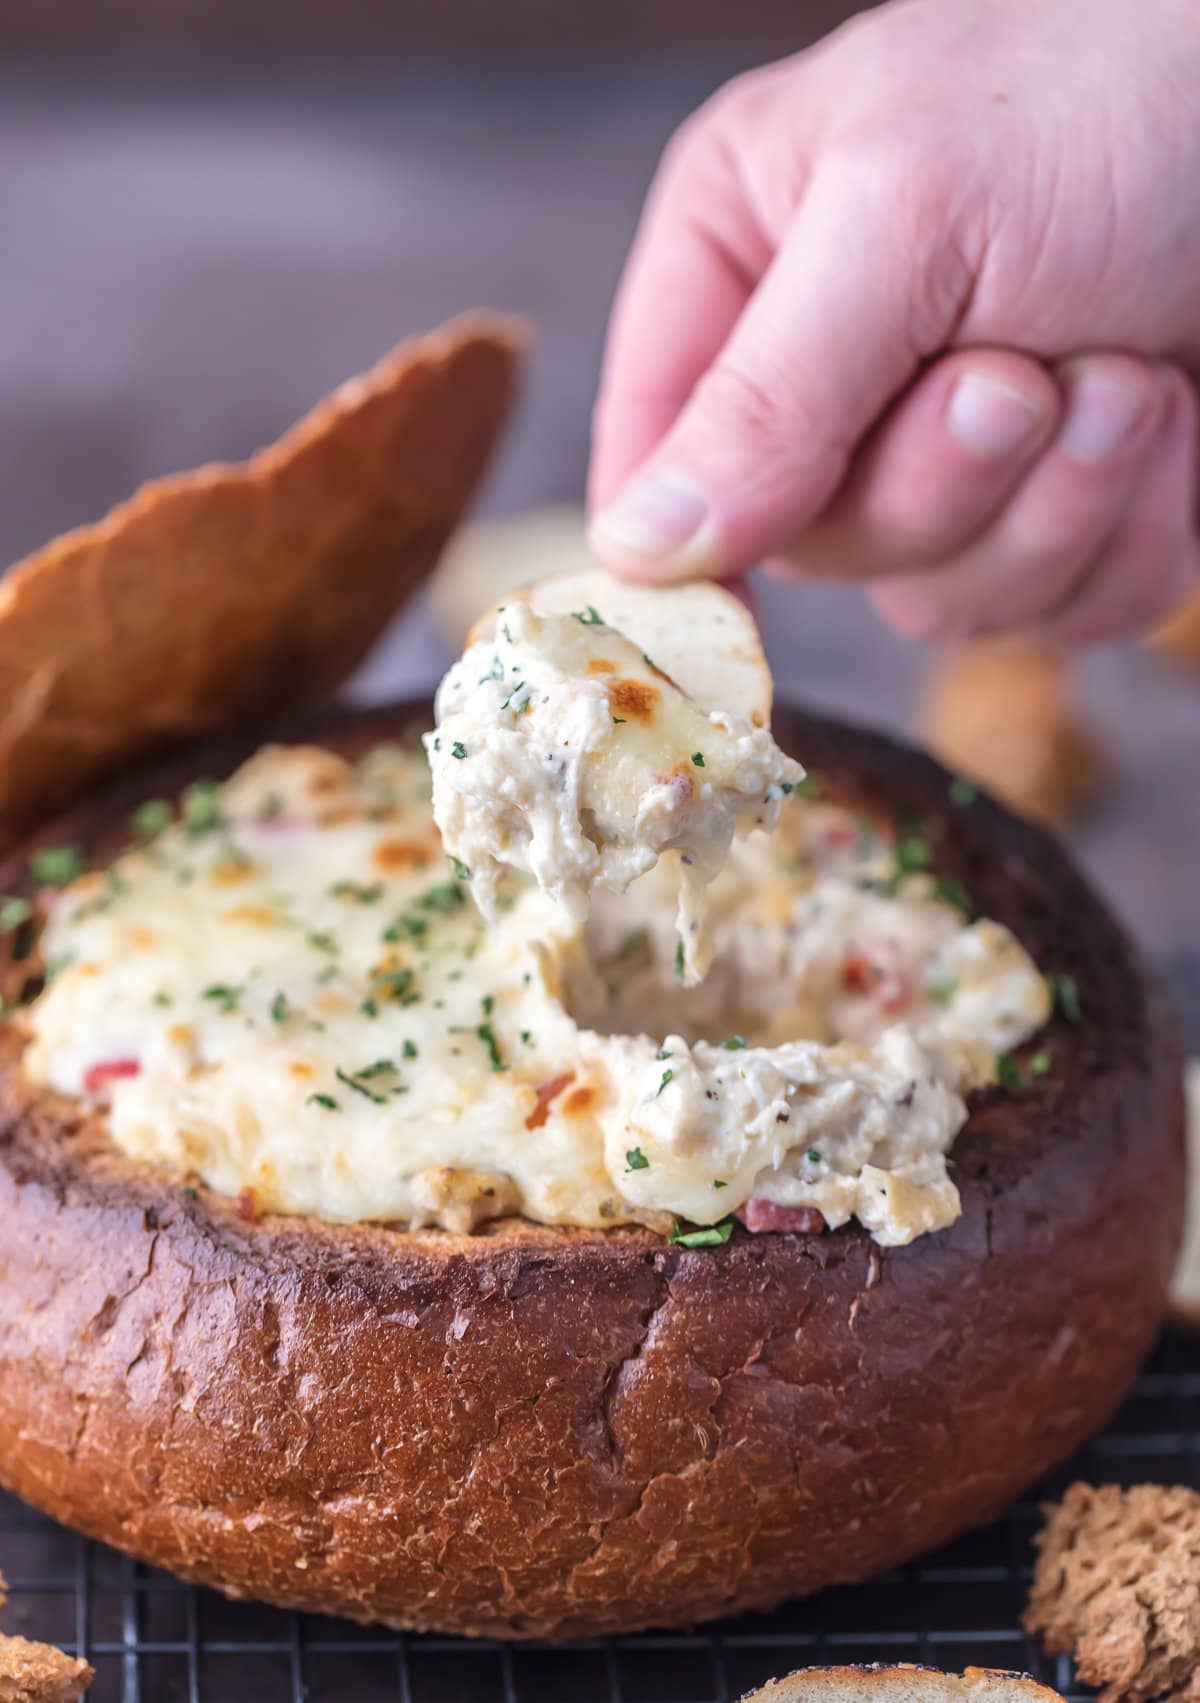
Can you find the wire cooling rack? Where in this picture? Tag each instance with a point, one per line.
(154, 1640)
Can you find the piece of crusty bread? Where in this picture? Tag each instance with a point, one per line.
(1003, 715)
(1117, 1586)
(40, 1673)
(1185, 1285)
(700, 634)
(236, 590)
(903, 1683)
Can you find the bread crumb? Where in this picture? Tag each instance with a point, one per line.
(39, 1673)
(1117, 1586)
(1002, 715)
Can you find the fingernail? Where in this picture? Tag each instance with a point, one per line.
(1101, 415)
(991, 420)
(654, 515)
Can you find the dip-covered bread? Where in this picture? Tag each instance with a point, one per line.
(283, 988)
(568, 747)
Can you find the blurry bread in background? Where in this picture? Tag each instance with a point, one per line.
(1004, 715)
(903, 1683)
(1185, 1285)
(488, 558)
(1179, 637)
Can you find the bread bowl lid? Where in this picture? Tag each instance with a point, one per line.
(241, 589)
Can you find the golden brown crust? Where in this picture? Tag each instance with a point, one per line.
(40, 1673)
(1117, 1586)
(902, 1682)
(1179, 637)
(536, 1433)
(1002, 714)
(234, 590)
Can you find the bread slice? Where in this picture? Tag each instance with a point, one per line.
(1185, 1284)
(237, 590)
(1117, 1586)
(903, 1683)
(1003, 715)
(40, 1673)
(700, 634)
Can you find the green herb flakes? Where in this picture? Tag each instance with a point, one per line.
(952, 892)
(55, 866)
(14, 912)
(636, 1159)
(458, 749)
(679, 960)
(1039, 1063)
(223, 996)
(734, 1044)
(1008, 1071)
(280, 1009)
(201, 809)
(326, 1100)
(409, 1049)
(488, 1036)
(588, 617)
(698, 759)
(963, 791)
(460, 869)
(943, 990)
(1064, 996)
(712, 1236)
(149, 819)
(667, 1076)
(362, 894)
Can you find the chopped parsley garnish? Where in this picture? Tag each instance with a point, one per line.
(360, 1086)
(1064, 996)
(679, 960)
(734, 1044)
(1008, 1071)
(394, 984)
(365, 895)
(719, 1184)
(13, 912)
(460, 869)
(322, 942)
(814, 1157)
(648, 662)
(56, 865)
(326, 1100)
(698, 759)
(414, 927)
(667, 1076)
(488, 1002)
(912, 854)
(526, 1037)
(963, 791)
(409, 1049)
(488, 1036)
(619, 720)
(444, 897)
(636, 1159)
(369, 1008)
(941, 992)
(151, 818)
(1039, 1063)
(517, 709)
(201, 811)
(712, 1236)
(458, 749)
(162, 999)
(952, 892)
(589, 616)
(280, 1009)
(224, 996)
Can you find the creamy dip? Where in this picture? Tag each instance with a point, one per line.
(286, 991)
(563, 751)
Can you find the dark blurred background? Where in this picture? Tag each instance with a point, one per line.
(213, 210)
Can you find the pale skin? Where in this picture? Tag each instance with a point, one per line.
(921, 307)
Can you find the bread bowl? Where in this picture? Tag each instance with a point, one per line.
(538, 1431)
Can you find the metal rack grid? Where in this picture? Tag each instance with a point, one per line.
(154, 1640)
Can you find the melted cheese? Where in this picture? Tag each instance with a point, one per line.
(288, 991)
(562, 751)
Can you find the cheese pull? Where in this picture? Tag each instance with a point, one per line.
(592, 728)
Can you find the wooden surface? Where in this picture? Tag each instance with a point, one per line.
(185, 267)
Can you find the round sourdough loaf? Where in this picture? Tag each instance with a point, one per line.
(532, 1432)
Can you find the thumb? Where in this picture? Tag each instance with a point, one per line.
(841, 319)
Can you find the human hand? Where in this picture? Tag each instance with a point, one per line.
(920, 306)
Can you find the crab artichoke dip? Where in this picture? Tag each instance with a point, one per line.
(284, 989)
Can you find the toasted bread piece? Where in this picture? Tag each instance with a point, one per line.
(1002, 715)
(701, 635)
(1185, 1285)
(235, 590)
(903, 1683)
(1179, 636)
(40, 1673)
(1117, 1586)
